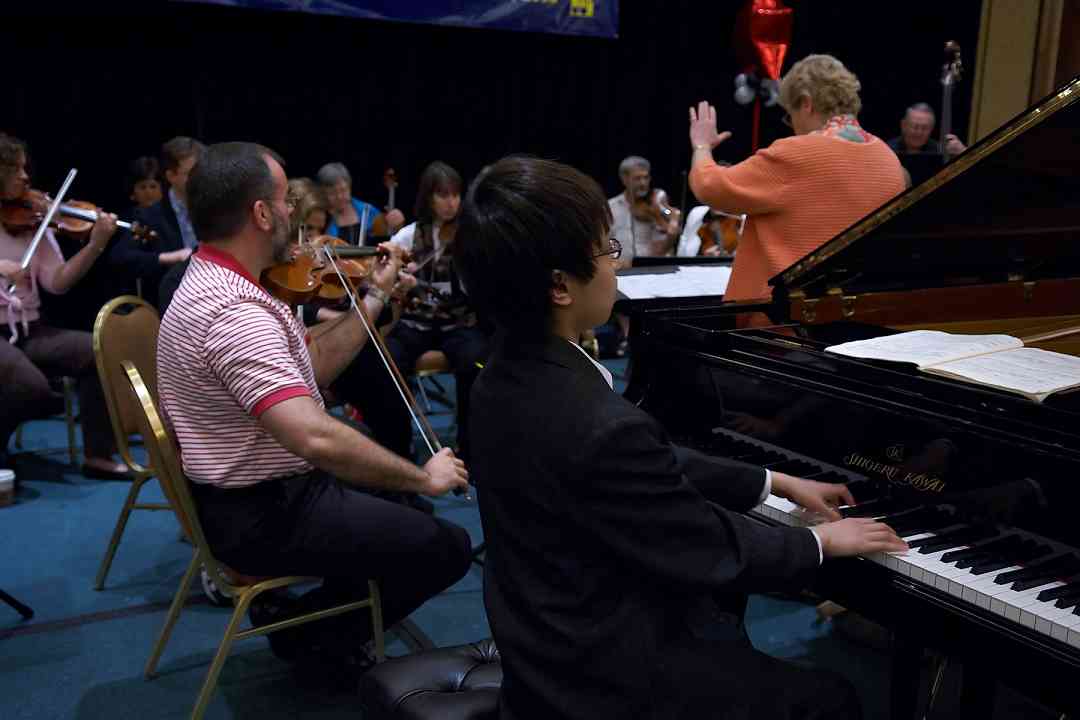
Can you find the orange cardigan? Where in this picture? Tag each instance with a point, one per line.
(800, 192)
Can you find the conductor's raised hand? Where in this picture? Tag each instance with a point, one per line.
(445, 473)
(858, 536)
(703, 127)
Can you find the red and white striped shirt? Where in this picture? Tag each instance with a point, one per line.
(227, 352)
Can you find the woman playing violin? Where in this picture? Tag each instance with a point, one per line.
(29, 349)
(448, 324)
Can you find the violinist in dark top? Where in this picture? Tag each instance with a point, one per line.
(168, 218)
(30, 350)
(444, 320)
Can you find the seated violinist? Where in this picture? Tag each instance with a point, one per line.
(444, 320)
(144, 182)
(169, 219)
(637, 223)
(282, 487)
(364, 383)
(351, 219)
(642, 222)
(710, 233)
(30, 350)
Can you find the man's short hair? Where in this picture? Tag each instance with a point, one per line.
(921, 107)
(332, 173)
(176, 151)
(633, 162)
(522, 219)
(223, 186)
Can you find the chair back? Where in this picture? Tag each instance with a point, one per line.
(165, 459)
(126, 328)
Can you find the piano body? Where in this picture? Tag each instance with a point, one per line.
(984, 484)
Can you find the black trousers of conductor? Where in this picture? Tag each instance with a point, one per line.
(314, 525)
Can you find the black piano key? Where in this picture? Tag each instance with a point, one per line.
(1058, 566)
(759, 457)
(1066, 601)
(921, 520)
(873, 508)
(1026, 553)
(964, 535)
(966, 557)
(862, 490)
(831, 476)
(1060, 591)
(798, 468)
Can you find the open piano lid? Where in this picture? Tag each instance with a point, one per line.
(1008, 209)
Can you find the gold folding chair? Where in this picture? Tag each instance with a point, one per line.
(126, 328)
(428, 365)
(163, 456)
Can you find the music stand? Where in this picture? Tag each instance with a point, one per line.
(23, 610)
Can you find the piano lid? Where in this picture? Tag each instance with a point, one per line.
(1007, 209)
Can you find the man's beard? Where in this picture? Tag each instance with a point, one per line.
(280, 237)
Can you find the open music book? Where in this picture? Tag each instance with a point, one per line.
(997, 361)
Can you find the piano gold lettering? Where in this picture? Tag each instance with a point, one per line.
(923, 483)
(894, 474)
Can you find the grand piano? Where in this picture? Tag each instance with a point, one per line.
(984, 484)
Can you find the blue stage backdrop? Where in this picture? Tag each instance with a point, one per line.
(599, 18)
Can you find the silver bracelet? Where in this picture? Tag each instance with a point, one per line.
(379, 294)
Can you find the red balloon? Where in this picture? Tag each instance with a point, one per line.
(763, 34)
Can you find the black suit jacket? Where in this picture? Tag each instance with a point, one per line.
(611, 578)
(132, 257)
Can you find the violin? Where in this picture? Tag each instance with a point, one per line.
(720, 232)
(427, 300)
(23, 214)
(305, 277)
(654, 208)
(379, 227)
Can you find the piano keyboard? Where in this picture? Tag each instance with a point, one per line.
(1016, 575)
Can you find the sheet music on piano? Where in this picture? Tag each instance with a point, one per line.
(674, 281)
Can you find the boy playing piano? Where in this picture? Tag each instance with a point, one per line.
(618, 564)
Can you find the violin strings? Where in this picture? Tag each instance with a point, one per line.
(378, 347)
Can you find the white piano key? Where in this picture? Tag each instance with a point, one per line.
(1020, 607)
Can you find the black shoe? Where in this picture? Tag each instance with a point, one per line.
(316, 669)
(92, 471)
(273, 607)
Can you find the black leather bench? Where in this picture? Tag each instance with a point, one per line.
(455, 683)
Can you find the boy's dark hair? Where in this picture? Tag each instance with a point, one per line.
(223, 186)
(438, 176)
(143, 168)
(179, 149)
(522, 219)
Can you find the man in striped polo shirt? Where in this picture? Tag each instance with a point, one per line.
(279, 482)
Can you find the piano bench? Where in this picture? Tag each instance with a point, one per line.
(458, 683)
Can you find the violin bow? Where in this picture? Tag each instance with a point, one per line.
(40, 233)
(417, 415)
